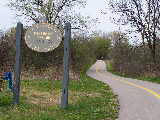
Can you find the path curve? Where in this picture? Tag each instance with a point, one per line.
(139, 100)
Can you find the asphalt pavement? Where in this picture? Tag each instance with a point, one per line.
(139, 100)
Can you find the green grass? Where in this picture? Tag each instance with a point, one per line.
(149, 79)
(89, 99)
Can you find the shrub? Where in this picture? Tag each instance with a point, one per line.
(133, 60)
(102, 47)
(31, 59)
(82, 55)
(84, 52)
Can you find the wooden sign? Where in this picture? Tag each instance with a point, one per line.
(43, 37)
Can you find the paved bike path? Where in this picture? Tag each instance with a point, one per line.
(139, 100)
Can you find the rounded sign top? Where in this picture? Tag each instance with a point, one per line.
(43, 37)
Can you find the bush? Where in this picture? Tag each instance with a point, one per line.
(133, 60)
(84, 52)
(102, 47)
(32, 59)
(82, 55)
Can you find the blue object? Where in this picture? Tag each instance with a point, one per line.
(8, 76)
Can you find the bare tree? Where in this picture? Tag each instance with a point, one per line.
(144, 15)
(56, 11)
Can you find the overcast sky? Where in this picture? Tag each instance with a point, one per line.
(92, 9)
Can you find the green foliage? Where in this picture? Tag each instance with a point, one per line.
(89, 99)
(102, 47)
(6, 98)
(82, 54)
(150, 79)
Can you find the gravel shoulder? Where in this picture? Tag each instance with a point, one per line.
(139, 100)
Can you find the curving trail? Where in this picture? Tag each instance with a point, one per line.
(139, 100)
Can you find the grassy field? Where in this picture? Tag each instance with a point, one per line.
(89, 99)
(149, 79)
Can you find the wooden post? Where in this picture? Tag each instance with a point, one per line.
(67, 38)
(17, 74)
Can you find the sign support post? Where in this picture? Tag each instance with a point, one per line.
(67, 38)
(16, 85)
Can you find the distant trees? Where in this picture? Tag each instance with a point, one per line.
(102, 47)
(144, 15)
(84, 52)
(128, 59)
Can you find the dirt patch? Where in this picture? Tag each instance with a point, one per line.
(41, 98)
(48, 98)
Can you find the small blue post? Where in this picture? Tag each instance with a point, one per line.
(8, 76)
(10, 85)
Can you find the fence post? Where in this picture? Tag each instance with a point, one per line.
(67, 38)
(17, 72)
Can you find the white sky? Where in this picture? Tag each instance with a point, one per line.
(93, 9)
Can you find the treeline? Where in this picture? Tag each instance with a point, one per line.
(142, 17)
(133, 60)
(84, 52)
(126, 59)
